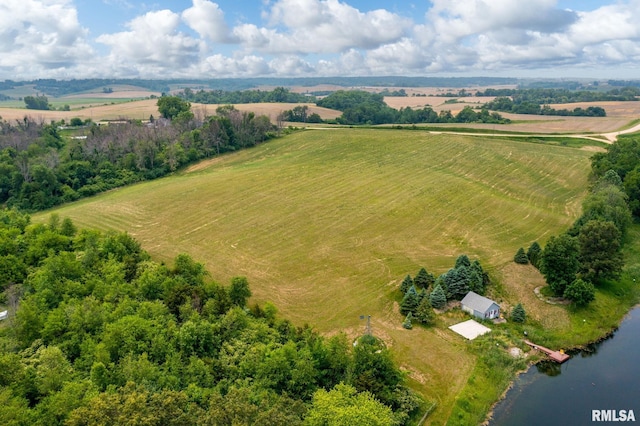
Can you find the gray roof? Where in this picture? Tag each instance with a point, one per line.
(477, 302)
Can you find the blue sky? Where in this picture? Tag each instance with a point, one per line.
(236, 38)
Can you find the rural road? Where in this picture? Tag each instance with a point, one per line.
(608, 137)
(614, 135)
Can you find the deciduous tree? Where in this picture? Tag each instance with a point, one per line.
(559, 262)
(600, 250)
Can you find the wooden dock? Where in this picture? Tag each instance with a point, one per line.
(556, 356)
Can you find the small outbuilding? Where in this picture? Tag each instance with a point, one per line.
(4, 315)
(480, 306)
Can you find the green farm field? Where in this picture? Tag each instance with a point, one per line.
(326, 223)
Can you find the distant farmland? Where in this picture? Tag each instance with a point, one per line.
(326, 223)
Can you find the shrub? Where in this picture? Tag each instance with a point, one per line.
(407, 321)
(521, 257)
(580, 292)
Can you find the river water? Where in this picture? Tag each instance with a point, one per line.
(606, 376)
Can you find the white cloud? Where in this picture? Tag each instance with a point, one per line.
(207, 19)
(40, 37)
(321, 26)
(511, 34)
(43, 38)
(223, 66)
(616, 22)
(153, 40)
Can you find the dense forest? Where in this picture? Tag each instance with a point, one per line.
(39, 168)
(100, 334)
(360, 107)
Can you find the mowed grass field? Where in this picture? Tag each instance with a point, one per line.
(326, 223)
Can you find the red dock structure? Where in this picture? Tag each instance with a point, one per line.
(556, 356)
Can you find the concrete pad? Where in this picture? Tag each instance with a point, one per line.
(470, 329)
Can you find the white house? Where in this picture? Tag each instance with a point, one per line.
(480, 306)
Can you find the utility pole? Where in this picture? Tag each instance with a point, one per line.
(367, 330)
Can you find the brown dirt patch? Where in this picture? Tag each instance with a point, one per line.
(520, 282)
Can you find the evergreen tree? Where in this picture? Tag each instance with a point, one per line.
(410, 301)
(580, 292)
(406, 284)
(533, 254)
(437, 298)
(463, 260)
(476, 282)
(484, 281)
(458, 282)
(425, 313)
(407, 321)
(518, 314)
(521, 257)
(423, 279)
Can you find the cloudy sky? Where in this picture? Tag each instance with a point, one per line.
(252, 38)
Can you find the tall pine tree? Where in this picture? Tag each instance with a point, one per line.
(438, 298)
(423, 279)
(406, 284)
(410, 301)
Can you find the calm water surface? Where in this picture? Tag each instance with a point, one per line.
(605, 377)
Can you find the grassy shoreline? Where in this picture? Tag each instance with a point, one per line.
(495, 373)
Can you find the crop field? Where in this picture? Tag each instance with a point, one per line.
(113, 108)
(326, 223)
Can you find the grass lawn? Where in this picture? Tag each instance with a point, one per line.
(326, 224)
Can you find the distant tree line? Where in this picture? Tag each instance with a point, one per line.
(39, 168)
(562, 96)
(300, 114)
(57, 88)
(505, 104)
(360, 107)
(624, 83)
(39, 102)
(401, 93)
(279, 94)
(536, 101)
(100, 334)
